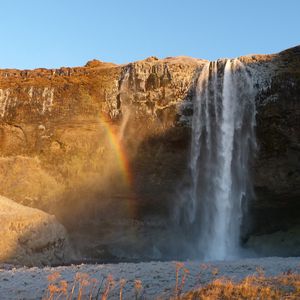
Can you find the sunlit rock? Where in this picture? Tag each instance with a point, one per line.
(30, 236)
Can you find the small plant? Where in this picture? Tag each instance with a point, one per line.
(55, 287)
(110, 283)
(53, 277)
(138, 287)
(122, 284)
(94, 283)
(260, 272)
(179, 286)
(186, 272)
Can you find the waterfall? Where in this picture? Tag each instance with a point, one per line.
(223, 143)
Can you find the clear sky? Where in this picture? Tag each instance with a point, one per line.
(54, 33)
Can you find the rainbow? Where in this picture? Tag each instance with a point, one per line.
(117, 145)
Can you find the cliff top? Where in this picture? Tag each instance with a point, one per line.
(97, 65)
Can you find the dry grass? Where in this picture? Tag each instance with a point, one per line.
(85, 287)
(285, 286)
(257, 286)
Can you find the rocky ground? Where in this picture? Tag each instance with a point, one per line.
(158, 279)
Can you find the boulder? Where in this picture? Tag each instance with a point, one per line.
(30, 236)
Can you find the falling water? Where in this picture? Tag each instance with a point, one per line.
(223, 142)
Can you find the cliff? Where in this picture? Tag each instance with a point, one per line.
(106, 146)
(277, 168)
(59, 128)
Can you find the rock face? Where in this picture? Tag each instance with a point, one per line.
(23, 179)
(277, 166)
(30, 237)
(64, 118)
(279, 243)
(106, 143)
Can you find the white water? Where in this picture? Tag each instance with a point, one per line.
(223, 142)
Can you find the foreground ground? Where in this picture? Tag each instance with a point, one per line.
(149, 280)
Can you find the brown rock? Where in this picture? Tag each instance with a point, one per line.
(30, 237)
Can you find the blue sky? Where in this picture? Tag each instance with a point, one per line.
(54, 33)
